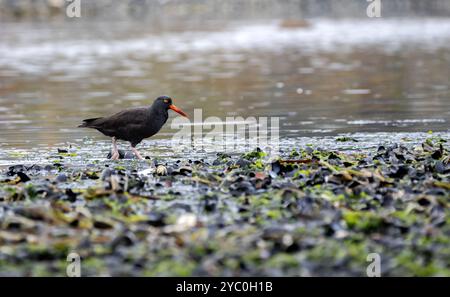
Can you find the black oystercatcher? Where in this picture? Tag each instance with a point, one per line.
(134, 124)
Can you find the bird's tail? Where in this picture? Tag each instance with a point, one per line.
(88, 123)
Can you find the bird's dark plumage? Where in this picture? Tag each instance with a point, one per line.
(131, 125)
(134, 124)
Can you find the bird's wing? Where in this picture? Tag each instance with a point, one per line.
(124, 119)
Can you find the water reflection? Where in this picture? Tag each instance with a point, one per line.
(328, 78)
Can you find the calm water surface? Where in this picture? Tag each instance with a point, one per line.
(328, 78)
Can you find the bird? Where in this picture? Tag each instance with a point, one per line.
(134, 124)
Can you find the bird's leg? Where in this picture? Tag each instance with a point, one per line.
(115, 152)
(136, 153)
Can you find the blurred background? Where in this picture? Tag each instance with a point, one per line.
(324, 67)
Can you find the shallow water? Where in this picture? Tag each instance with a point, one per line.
(93, 151)
(323, 80)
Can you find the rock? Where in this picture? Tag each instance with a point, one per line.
(122, 155)
(161, 170)
(61, 178)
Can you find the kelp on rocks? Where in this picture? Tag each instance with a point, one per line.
(311, 212)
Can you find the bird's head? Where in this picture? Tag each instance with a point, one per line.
(165, 102)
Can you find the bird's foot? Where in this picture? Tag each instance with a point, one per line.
(136, 153)
(115, 152)
(115, 155)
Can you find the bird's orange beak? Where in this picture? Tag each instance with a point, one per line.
(176, 109)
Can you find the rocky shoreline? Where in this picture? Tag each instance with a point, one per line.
(311, 212)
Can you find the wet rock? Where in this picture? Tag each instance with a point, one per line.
(161, 170)
(242, 163)
(399, 172)
(156, 219)
(71, 196)
(103, 224)
(346, 139)
(210, 203)
(13, 170)
(184, 206)
(184, 170)
(106, 174)
(282, 168)
(61, 178)
(23, 178)
(439, 167)
(126, 239)
(305, 206)
(122, 155)
(241, 186)
(438, 153)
